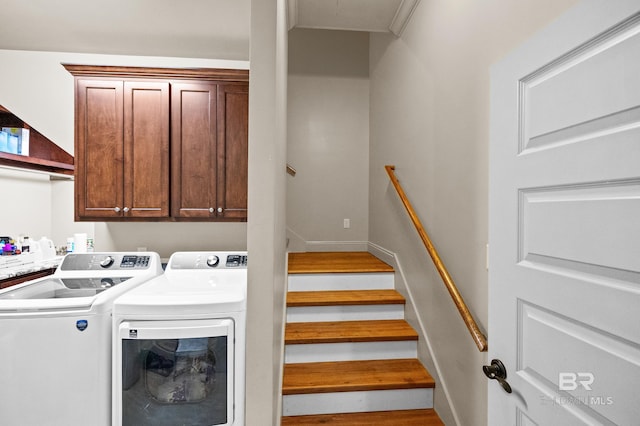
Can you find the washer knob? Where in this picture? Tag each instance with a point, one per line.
(213, 261)
(107, 261)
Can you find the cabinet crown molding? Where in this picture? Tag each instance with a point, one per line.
(218, 74)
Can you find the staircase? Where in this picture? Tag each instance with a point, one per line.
(350, 357)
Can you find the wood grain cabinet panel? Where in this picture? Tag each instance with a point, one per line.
(146, 147)
(99, 151)
(193, 150)
(122, 149)
(161, 144)
(233, 137)
(209, 150)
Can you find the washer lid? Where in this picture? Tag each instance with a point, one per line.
(187, 293)
(56, 293)
(84, 281)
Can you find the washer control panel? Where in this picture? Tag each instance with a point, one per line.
(104, 261)
(207, 260)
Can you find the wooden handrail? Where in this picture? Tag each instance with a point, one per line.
(470, 322)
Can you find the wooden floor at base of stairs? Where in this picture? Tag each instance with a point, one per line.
(296, 333)
(424, 417)
(352, 376)
(335, 262)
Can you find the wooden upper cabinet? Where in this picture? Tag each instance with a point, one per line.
(99, 149)
(146, 149)
(193, 150)
(209, 150)
(233, 149)
(122, 149)
(161, 144)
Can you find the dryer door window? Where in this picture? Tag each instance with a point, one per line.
(176, 373)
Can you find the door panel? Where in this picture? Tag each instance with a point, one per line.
(582, 227)
(146, 141)
(599, 79)
(233, 137)
(99, 148)
(564, 231)
(193, 145)
(576, 347)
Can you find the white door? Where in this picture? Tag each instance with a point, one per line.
(564, 234)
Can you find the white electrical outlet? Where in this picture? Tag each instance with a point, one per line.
(347, 223)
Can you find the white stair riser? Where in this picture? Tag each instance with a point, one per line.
(357, 402)
(349, 402)
(324, 352)
(344, 313)
(319, 282)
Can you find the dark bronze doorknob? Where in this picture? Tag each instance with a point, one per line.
(497, 371)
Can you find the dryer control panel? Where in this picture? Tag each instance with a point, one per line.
(236, 260)
(208, 260)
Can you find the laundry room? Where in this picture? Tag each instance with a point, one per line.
(160, 161)
(75, 238)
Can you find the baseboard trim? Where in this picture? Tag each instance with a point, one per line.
(422, 332)
(383, 254)
(337, 245)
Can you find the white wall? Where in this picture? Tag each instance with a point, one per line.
(37, 89)
(430, 118)
(328, 137)
(266, 227)
(20, 214)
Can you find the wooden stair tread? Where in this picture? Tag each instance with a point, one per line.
(335, 262)
(348, 331)
(344, 297)
(349, 376)
(422, 417)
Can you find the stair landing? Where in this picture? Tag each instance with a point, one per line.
(335, 262)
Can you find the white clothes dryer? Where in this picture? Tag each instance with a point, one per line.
(179, 344)
(55, 335)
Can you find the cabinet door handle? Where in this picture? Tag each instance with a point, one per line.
(126, 209)
(220, 209)
(116, 209)
(210, 209)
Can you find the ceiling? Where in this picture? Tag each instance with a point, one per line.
(185, 28)
(215, 29)
(358, 15)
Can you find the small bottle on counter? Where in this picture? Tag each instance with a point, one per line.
(25, 245)
(70, 242)
(90, 247)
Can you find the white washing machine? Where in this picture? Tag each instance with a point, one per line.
(55, 339)
(179, 344)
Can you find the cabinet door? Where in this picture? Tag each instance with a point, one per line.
(99, 149)
(233, 136)
(193, 150)
(146, 149)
